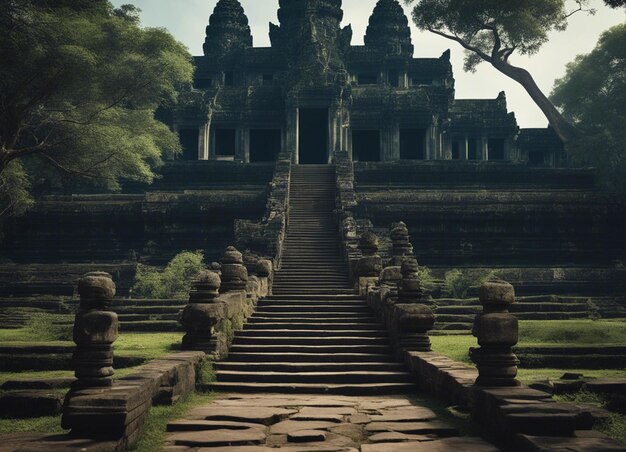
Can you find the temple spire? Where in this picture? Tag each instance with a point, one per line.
(228, 29)
(388, 30)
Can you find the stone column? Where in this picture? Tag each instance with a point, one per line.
(414, 318)
(497, 332)
(484, 148)
(203, 142)
(292, 133)
(464, 148)
(401, 244)
(234, 273)
(95, 329)
(201, 313)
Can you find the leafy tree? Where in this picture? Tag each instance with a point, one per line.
(173, 282)
(494, 30)
(80, 83)
(615, 3)
(592, 95)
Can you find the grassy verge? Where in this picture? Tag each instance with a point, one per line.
(154, 431)
(49, 425)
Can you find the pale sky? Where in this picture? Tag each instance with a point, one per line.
(187, 19)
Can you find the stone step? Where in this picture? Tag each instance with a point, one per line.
(312, 340)
(149, 326)
(296, 357)
(264, 307)
(362, 314)
(313, 349)
(319, 292)
(295, 367)
(345, 376)
(314, 297)
(305, 318)
(310, 388)
(307, 333)
(309, 324)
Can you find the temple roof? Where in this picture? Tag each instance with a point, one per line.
(491, 114)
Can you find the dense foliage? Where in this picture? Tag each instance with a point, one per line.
(593, 96)
(495, 30)
(173, 282)
(80, 83)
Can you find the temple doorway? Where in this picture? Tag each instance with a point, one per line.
(313, 136)
(366, 145)
(412, 144)
(265, 145)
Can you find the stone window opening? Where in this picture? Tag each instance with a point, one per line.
(229, 78)
(421, 80)
(456, 150)
(189, 140)
(496, 148)
(203, 83)
(265, 145)
(268, 79)
(412, 144)
(394, 78)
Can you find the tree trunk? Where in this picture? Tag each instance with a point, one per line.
(566, 131)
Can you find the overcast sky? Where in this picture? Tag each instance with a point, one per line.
(187, 19)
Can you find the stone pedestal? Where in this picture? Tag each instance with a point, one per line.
(497, 332)
(234, 273)
(414, 318)
(401, 244)
(202, 313)
(95, 329)
(368, 268)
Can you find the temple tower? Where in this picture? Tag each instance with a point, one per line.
(388, 31)
(228, 29)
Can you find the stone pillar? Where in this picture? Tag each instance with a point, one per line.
(95, 329)
(414, 319)
(401, 244)
(497, 332)
(234, 273)
(369, 266)
(201, 313)
(203, 142)
(484, 148)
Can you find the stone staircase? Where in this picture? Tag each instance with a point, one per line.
(314, 335)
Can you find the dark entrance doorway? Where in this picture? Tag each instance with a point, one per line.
(412, 144)
(264, 145)
(313, 136)
(366, 145)
(189, 140)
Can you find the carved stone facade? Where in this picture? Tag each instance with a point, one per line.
(315, 96)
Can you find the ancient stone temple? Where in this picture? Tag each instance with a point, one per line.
(313, 94)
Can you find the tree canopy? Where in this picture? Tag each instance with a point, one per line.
(592, 95)
(495, 30)
(80, 82)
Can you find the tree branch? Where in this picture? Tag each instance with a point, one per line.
(465, 45)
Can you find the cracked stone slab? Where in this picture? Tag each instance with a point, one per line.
(334, 414)
(419, 428)
(306, 436)
(408, 414)
(360, 418)
(200, 425)
(257, 415)
(445, 445)
(211, 438)
(396, 437)
(286, 427)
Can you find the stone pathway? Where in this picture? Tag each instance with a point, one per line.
(299, 423)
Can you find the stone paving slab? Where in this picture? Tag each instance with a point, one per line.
(267, 422)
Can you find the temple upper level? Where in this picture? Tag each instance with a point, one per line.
(314, 94)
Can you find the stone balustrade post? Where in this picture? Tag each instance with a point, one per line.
(401, 244)
(234, 273)
(497, 332)
(414, 318)
(369, 266)
(96, 327)
(202, 313)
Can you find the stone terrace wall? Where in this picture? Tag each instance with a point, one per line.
(494, 214)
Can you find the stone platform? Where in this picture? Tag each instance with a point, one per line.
(263, 422)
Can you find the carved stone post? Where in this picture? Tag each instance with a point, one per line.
(414, 318)
(497, 331)
(401, 244)
(95, 329)
(369, 266)
(202, 313)
(234, 273)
